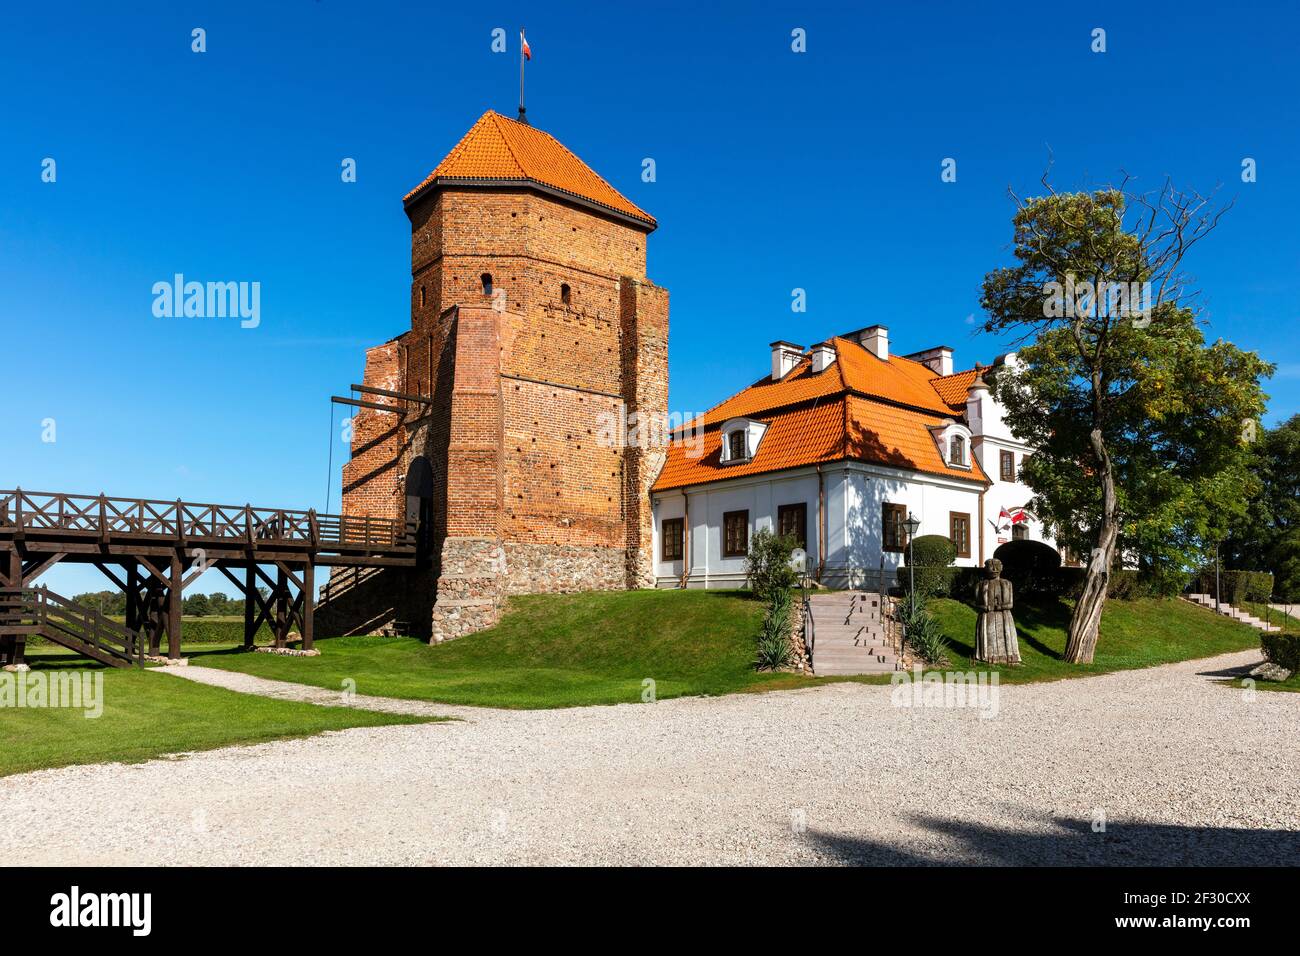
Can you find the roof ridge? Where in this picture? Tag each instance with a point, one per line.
(572, 155)
(509, 148)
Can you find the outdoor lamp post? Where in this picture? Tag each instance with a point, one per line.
(912, 524)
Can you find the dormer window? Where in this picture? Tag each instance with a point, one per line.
(952, 442)
(740, 439)
(957, 450)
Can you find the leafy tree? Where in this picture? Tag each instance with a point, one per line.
(1137, 422)
(1267, 537)
(196, 606)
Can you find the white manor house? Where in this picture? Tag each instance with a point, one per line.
(837, 446)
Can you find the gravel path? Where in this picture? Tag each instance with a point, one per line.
(283, 690)
(1182, 770)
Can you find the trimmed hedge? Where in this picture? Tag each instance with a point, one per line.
(1282, 649)
(201, 630)
(934, 555)
(1030, 566)
(1236, 586)
(1124, 584)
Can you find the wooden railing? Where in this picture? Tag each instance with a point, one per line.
(41, 608)
(99, 516)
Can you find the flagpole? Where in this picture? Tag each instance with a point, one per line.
(522, 111)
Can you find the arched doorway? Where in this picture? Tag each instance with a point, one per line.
(419, 506)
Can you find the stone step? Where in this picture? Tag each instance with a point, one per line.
(837, 670)
(821, 640)
(852, 654)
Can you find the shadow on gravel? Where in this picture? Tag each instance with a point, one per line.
(1075, 844)
(1239, 671)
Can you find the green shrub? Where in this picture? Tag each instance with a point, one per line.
(930, 562)
(1282, 649)
(774, 650)
(923, 633)
(768, 564)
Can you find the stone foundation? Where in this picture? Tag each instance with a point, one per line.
(558, 569)
(480, 573)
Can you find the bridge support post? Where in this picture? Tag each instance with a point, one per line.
(11, 568)
(174, 610)
(281, 599)
(308, 605)
(134, 615)
(250, 606)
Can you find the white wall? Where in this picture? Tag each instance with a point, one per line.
(760, 495)
(992, 437)
(855, 494)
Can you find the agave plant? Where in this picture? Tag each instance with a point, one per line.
(774, 637)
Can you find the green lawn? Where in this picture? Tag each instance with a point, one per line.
(149, 715)
(1138, 633)
(549, 651)
(597, 648)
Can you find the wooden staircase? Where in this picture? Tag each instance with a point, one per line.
(27, 611)
(846, 634)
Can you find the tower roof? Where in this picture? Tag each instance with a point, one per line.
(499, 150)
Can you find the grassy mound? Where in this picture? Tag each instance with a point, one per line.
(557, 650)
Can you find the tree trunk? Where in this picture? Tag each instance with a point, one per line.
(1086, 620)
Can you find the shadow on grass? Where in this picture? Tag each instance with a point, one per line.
(1072, 842)
(1039, 614)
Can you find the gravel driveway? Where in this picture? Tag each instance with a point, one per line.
(1183, 771)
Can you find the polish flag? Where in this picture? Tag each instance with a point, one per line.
(1004, 514)
(528, 53)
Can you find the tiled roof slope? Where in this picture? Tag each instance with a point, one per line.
(859, 407)
(499, 148)
(953, 388)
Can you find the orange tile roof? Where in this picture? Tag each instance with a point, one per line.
(855, 369)
(885, 435)
(953, 388)
(898, 380)
(860, 407)
(800, 437)
(499, 148)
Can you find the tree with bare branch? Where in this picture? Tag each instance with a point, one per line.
(1139, 426)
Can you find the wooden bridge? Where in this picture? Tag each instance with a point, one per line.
(153, 549)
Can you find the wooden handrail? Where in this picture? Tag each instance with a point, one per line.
(96, 515)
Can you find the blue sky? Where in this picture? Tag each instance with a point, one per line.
(775, 171)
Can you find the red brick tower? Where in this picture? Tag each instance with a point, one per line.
(533, 327)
